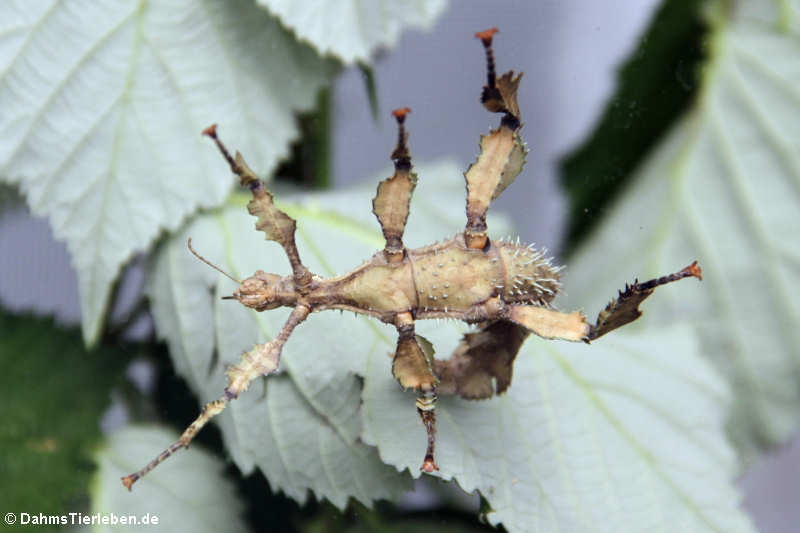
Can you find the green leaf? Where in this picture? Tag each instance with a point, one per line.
(621, 435)
(103, 105)
(302, 427)
(588, 438)
(189, 493)
(57, 392)
(724, 188)
(658, 82)
(352, 29)
(368, 75)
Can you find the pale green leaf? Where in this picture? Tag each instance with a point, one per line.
(352, 29)
(724, 188)
(189, 493)
(621, 435)
(300, 428)
(103, 104)
(617, 436)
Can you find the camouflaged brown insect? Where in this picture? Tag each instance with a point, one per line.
(503, 288)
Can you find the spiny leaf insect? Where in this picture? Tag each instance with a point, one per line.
(504, 288)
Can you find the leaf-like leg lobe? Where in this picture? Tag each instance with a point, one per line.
(392, 201)
(413, 368)
(482, 364)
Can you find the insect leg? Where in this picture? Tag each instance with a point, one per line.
(625, 307)
(413, 368)
(391, 203)
(426, 407)
(552, 324)
(482, 363)
(261, 360)
(276, 225)
(548, 323)
(502, 150)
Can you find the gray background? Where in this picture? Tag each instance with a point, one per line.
(568, 51)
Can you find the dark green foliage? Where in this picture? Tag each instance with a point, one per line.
(56, 392)
(9, 197)
(310, 161)
(654, 88)
(368, 75)
(386, 518)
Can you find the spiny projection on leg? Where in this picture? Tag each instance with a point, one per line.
(506, 289)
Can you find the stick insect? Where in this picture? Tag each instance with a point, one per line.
(504, 288)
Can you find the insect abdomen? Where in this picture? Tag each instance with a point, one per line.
(530, 277)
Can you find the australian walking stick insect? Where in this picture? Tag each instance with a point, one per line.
(504, 288)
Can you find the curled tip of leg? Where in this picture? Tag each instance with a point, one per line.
(486, 35)
(129, 480)
(211, 131)
(400, 114)
(693, 270)
(429, 466)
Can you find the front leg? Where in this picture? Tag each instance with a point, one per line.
(276, 225)
(263, 359)
(413, 368)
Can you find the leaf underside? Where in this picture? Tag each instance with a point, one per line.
(103, 105)
(724, 188)
(621, 435)
(655, 85)
(567, 442)
(350, 29)
(272, 426)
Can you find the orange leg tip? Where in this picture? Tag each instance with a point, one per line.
(128, 481)
(693, 270)
(401, 113)
(429, 466)
(211, 131)
(486, 35)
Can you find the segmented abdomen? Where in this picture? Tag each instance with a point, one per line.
(448, 276)
(530, 276)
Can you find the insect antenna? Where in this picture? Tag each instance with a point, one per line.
(209, 263)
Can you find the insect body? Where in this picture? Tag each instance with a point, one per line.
(504, 288)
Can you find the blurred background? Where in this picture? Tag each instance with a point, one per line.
(569, 52)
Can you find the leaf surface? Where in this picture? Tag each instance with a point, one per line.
(302, 427)
(588, 438)
(655, 85)
(103, 104)
(723, 188)
(351, 29)
(621, 435)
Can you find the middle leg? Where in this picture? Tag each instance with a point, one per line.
(413, 368)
